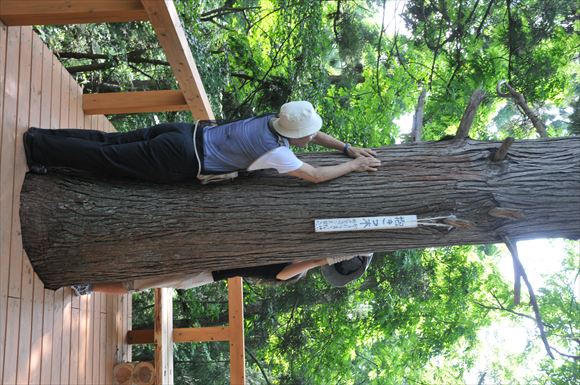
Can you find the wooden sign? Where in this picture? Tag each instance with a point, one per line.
(364, 223)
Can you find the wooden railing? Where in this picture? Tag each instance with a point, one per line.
(164, 335)
(165, 21)
(190, 96)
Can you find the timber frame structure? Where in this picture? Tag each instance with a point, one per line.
(52, 336)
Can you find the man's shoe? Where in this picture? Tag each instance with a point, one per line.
(27, 141)
(33, 167)
(38, 169)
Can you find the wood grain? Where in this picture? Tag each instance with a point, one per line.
(266, 218)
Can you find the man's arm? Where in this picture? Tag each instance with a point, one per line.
(326, 173)
(299, 267)
(328, 141)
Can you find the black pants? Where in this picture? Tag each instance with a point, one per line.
(162, 153)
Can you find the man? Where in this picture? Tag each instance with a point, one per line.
(337, 271)
(174, 152)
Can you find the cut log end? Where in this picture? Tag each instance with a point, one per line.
(144, 373)
(123, 374)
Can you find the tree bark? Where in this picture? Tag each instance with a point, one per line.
(417, 129)
(469, 114)
(79, 228)
(520, 100)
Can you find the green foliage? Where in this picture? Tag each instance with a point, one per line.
(411, 308)
(416, 316)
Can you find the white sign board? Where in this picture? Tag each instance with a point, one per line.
(364, 223)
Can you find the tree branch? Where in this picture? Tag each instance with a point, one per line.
(90, 67)
(481, 379)
(137, 69)
(402, 62)
(226, 9)
(514, 251)
(259, 366)
(510, 37)
(335, 21)
(379, 50)
(80, 55)
(256, 22)
(367, 360)
(565, 355)
(435, 56)
(485, 16)
(520, 100)
(455, 70)
(501, 152)
(469, 114)
(459, 31)
(501, 307)
(291, 319)
(470, 16)
(132, 57)
(417, 130)
(220, 12)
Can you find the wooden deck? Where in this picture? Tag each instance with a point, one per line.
(46, 337)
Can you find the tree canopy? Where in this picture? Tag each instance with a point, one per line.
(416, 316)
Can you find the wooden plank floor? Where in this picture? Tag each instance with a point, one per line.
(46, 337)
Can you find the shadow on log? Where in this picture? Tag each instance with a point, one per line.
(77, 228)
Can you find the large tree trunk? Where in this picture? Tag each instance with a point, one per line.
(77, 229)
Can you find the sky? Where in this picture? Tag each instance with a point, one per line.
(540, 257)
(392, 22)
(506, 338)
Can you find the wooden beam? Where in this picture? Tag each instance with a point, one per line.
(236, 321)
(163, 333)
(140, 337)
(171, 36)
(45, 12)
(133, 102)
(207, 334)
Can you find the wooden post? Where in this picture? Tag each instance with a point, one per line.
(163, 331)
(165, 20)
(236, 326)
(134, 102)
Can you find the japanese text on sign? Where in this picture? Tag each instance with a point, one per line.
(364, 223)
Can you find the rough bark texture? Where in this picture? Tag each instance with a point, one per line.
(77, 228)
(469, 114)
(520, 100)
(417, 129)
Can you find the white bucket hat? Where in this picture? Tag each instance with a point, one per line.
(341, 273)
(297, 120)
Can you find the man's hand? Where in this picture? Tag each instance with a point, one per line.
(328, 141)
(356, 152)
(323, 174)
(365, 163)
